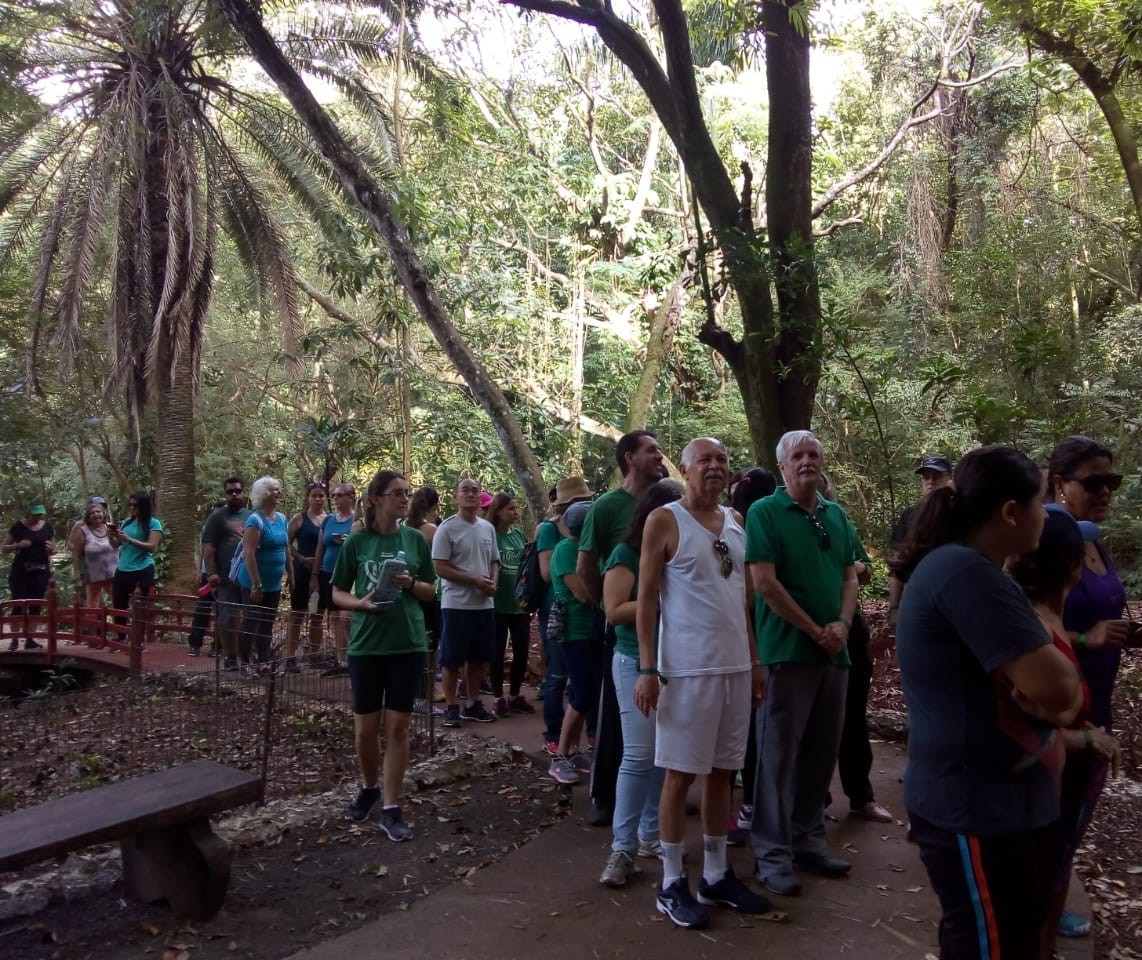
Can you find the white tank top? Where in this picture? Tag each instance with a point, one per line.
(702, 627)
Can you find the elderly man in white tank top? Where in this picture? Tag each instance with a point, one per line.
(694, 593)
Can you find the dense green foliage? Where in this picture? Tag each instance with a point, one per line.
(981, 284)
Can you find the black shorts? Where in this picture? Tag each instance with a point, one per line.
(467, 636)
(299, 595)
(386, 681)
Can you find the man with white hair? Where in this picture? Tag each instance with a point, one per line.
(692, 589)
(800, 548)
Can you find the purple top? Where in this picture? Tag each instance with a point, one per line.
(1092, 599)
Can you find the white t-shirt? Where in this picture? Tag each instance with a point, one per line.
(471, 548)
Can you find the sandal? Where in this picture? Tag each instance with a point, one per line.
(1073, 926)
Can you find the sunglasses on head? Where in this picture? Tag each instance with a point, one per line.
(823, 537)
(1096, 481)
(722, 549)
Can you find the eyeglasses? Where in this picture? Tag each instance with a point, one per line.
(722, 549)
(1096, 481)
(399, 494)
(823, 537)
(345, 493)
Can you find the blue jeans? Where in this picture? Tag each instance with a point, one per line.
(554, 683)
(640, 781)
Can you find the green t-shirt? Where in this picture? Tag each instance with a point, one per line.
(223, 529)
(398, 628)
(131, 558)
(511, 546)
(779, 531)
(580, 616)
(546, 537)
(607, 523)
(626, 636)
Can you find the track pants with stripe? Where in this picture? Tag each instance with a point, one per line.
(993, 890)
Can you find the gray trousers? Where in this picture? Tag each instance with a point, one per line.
(798, 735)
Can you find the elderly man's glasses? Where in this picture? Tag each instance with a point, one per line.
(722, 549)
(823, 537)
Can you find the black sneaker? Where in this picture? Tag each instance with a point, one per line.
(14, 646)
(230, 665)
(451, 716)
(678, 903)
(31, 644)
(393, 825)
(194, 652)
(476, 711)
(731, 892)
(360, 808)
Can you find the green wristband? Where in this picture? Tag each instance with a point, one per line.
(1080, 640)
(1088, 740)
(257, 586)
(648, 671)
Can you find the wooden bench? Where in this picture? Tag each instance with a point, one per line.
(162, 823)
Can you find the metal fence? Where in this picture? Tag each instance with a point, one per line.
(73, 727)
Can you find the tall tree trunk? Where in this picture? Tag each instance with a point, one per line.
(175, 503)
(664, 320)
(363, 190)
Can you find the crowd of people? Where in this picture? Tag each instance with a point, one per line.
(708, 628)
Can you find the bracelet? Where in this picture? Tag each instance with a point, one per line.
(1080, 640)
(648, 672)
(1088, 740)
(256, 586)
(848, 623)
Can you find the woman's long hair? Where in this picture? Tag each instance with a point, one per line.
(752, 485)
(378, 485)
(423, 500)
(499, 503)
(143, 512)
(984, 480)
(657, 495)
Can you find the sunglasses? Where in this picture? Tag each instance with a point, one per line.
(1096, 481)
(722, 549)
(235, 493)
(823, 537)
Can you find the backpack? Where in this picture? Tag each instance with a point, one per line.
(530, 588)
(240, 554)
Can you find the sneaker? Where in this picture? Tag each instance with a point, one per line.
(486, 687)
(338, 670)
(562, 771)
(745, 817)
(194, 652)
(518, 704)
(461, 690)
(14, 646)
(620, 868)
(731, 892)
(736, 837)
(678, 903)
(393, 825)
(290, 666)
(651, 849)
(501, 707)
(451, 716)
(580, 762)
(31, 644)
(422, 708)
(551, 747)
(476, 711)
(230, 665)
(360, 808)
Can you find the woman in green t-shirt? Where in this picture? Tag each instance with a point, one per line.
(387, 644)
(503, 514)
(635, 822)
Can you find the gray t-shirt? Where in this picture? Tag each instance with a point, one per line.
(470, 547)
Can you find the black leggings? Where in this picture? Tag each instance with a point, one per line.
(518, 627)
(127, 582)
(258, 625)
(854, 759)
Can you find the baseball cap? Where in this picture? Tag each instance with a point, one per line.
(96, 502)
(575, 516)
(485, 499)
(1090, 531)
(36, 509)
(939, 464)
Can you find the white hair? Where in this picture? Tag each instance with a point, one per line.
(260, 488)
(688, 450)
(796, 438)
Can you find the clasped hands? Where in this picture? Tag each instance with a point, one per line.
(832, 637)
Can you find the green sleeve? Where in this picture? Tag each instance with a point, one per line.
(588, 539)
(425, 570)
(759, 539)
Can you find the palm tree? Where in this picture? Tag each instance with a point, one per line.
(125, 153)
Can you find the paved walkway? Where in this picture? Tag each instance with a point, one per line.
(544, 899)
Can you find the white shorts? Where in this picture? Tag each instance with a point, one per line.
(703, 722)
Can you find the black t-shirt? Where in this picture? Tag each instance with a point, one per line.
(33, 559)
(901, 528)
(975, 764)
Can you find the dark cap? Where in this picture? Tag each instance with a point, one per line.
(939, 464)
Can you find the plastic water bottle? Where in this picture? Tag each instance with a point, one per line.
(392, 568)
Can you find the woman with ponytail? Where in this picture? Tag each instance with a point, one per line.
(986, 692)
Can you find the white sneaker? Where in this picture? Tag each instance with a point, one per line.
(745, 817)
(651, 849)
(620, 868)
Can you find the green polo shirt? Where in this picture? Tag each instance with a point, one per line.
(781, 532)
